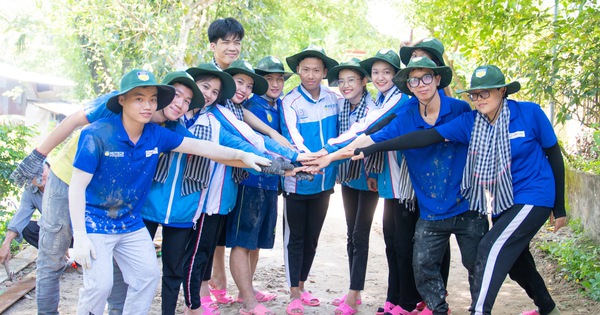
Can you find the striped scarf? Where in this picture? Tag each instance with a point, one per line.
(214, 62)
(374, 163)
(487, 179)
(238, 174)
(350, 170)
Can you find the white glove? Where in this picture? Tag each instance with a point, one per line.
(83, 249)
(252, 160)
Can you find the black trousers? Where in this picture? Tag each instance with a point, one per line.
(302, 223)
(198, 255)
(359, 206)
(505, 250)
(173, 252)
(398, 233)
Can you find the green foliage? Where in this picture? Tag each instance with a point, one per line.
(14, 139)
(579, 259)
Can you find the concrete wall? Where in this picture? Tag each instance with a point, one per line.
(583, 200)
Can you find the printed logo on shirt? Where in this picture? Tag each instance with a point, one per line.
(302, 114)
(269, 117)
(114, 154)
(516, 134)
(331, 106)
(149, 153)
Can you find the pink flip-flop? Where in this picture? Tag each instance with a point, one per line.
(309, 300)
(345, 309)
(295, 308)
(338, 301)
(221, 295)
(259, 309)
(261, 297)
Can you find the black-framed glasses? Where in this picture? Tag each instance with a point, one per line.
(414, 82)
(484, 94)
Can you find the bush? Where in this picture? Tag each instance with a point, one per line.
(15, 139)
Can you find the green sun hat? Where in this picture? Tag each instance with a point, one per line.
(227, 84)
(422, 63)
(269, 65)
(311, 51)
(386, 55)
(186, 79)
(430, 45)
(141, 78)
(244, 67)
(353, 63)
(491, 77)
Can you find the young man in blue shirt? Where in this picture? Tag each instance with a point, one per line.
(114, 165)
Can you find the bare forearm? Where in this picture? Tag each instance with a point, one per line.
(257, 124)
(62, 132)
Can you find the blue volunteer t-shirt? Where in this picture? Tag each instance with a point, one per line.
(436, 170)
(122, 172)
(530, 132)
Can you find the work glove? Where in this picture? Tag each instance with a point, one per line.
(31, 167)
(278, 167)
(305, 176)
(83, 249)
(252, 160)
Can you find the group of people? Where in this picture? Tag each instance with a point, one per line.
(200, 157)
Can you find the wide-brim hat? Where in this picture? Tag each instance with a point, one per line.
(311, 51)
(401, 78)
(491, 77)
(386, 55)
(141, 78)
(269, 65)
(227, 84)
(260, 86)
(430, 45)
(353, 64)
(186, 79)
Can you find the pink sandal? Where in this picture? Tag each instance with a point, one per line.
(221, 295)
(208, 303)
(261, 297)
(309, 300)
(338, 301)
(295, 308)
(388, 306)
(259, 309)
(345, 309)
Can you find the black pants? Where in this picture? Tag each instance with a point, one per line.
(302, 222)
(173, 253)
(398, 233)
(359, 206)
(198, 253)
(505, 250)
(31, 234)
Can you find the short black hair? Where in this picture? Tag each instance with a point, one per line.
(224, 29)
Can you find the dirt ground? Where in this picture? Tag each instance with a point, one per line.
(329, 278)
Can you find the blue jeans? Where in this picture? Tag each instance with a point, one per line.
(431, 240)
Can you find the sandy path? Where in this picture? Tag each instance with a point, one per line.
(329, 277)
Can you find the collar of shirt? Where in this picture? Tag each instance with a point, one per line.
(121, 134)
(444, 110)
(307, 96)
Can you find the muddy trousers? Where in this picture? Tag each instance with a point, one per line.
(174, 241)
(505, 250)
(198, 256)
(431, 241)
(359, 206)
(302, 223)
(398, 233)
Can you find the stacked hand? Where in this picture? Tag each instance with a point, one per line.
(31, 167)
(252, 160)
(278, 167)
(83, 249)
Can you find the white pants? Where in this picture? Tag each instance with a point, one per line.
(135, 255)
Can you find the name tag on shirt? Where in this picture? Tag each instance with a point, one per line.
(149, 153)
(516, 134)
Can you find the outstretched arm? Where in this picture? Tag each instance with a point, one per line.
(263, 128)
(413, 140)
(344, 153)
(557, 164)
(83, 248)
(224, 155)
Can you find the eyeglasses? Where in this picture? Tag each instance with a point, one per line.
(484, 94)
(414, 82)
(349, 82)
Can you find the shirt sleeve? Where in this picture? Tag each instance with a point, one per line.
(169, 140)
(96, 109)
(89, 148)
(241, 128)
(459, 129)
(543, 131)
(23, 215)
(392, 130)
(289, 125)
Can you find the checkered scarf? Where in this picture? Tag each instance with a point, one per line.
(350, 170)
(214, 62)
(238, 174)
(487, 180)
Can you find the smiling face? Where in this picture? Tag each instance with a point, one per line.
(139, 104)
(423, 91)
(490, 105)
(311, 71)
(382, 74)
(351, 85)
(210, 88)
(276, 82)
(226, 50)
(243, 88)
(180, 104)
